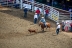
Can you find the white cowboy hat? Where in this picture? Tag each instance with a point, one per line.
(42, 17)
(57, 23)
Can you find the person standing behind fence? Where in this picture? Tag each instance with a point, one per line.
(67, 26)
(35, 18)
(63, 24)
(46, 13)
(38, 12)
(16, 4)
(25, 12)
(71, 27)
(58, 28)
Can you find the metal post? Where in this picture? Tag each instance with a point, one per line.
(21, 3)
(58, 16)
(32, 5)
(43, 9)
(7, 2)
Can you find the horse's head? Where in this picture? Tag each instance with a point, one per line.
(42, 26)
(40, 23)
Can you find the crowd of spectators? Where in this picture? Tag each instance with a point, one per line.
(61, 5)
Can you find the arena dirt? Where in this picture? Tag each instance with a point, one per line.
(14, 32)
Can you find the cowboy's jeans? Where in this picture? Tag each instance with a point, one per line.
(35, 20)
(38, 16)
(57, 31)
(46, 15)
(63, 28)
(25, 14)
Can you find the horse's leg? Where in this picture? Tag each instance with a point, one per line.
(49, 28)
(46, 26)
(43, 29)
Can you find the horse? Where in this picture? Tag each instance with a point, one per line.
(48, 25)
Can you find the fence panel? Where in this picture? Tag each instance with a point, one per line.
(54, 15)
(27, 4)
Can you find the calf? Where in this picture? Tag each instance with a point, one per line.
(32, 30)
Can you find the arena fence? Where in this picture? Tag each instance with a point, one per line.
(10, 3)
(53, 14)
(6, 2)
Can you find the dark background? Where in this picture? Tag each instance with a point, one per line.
(62, 4)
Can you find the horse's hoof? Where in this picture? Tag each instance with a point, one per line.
(43, 31)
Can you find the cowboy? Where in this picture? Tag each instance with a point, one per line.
(25, 12)
(63, 24)
(35, 18)
(46, 13)
(38, 12)
(58, 28)
(43, 21)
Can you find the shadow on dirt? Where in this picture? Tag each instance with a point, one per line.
(10, 35)
(31, 34)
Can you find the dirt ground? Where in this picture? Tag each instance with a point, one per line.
(14, 32)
